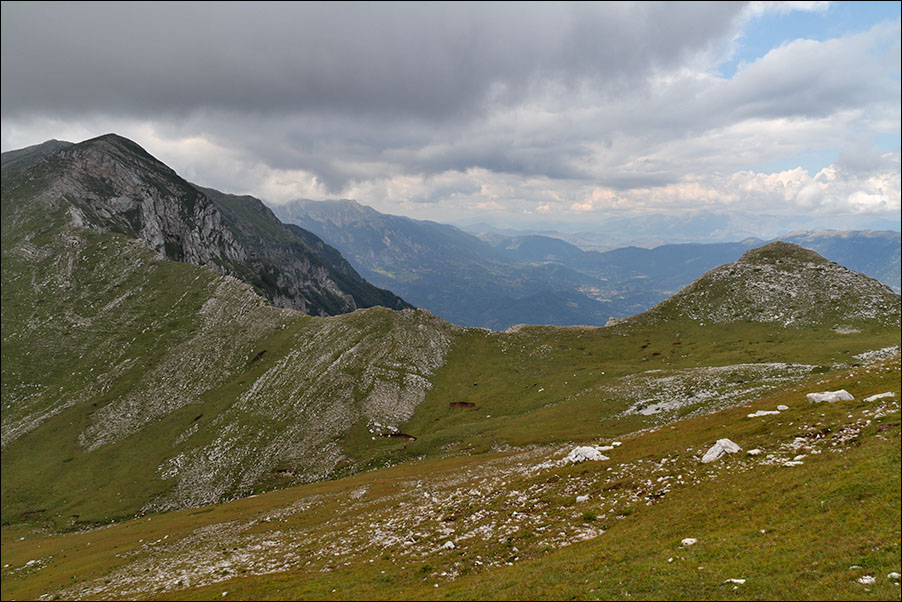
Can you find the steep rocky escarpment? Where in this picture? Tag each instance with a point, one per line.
(117, 185)
(289, 263)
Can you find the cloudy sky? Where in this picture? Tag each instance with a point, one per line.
(501, 112)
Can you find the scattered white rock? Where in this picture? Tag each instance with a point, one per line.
(449, 545)
(877, 354)
(582, 498)
(736, 581)
(782, 407)
(764, 413)
(880, 396)
(723, 446)
(854, 566)
(830, 396)
(616, 443)
(689, 541)
(793, 463)
(845, 330)
(583, 453)
(894, 576)
(754, 452)
(867, 580)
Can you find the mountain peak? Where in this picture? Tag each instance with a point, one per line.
(341, 212)
(123, 149)
(785, 284)
(778, 252)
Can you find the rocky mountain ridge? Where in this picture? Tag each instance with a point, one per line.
(111, 183)
(180, 384)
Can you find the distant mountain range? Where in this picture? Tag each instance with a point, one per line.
(495, 280)
(451, 273)
(650, 230)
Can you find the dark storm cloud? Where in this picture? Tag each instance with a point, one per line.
(426, 60)
(513, 106)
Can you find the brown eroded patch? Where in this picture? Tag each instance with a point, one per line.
(399, 436)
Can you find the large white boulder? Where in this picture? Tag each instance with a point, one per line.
(583, 453)
(723, 446)
(830, 396)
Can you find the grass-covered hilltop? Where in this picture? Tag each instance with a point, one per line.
(169, 433)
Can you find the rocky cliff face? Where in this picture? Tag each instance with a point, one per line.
(115, 184)
(111, 183)
(290, 263)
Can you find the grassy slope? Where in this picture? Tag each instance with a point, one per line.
(836, 510)
(66, 334)
(543, 384)
(116, 365)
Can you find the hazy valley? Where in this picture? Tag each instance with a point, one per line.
(496, 281)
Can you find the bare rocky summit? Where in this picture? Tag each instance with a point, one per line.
(785, 284)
